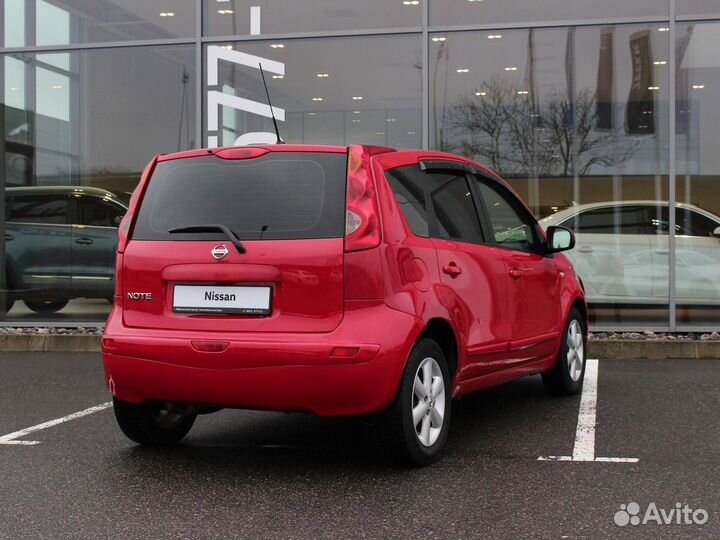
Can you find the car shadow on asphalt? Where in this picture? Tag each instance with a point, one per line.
(493, 422)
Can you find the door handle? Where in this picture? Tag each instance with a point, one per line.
(515, 273)
(585, 249)
(9, 237)
(84, 241)
(452, 270)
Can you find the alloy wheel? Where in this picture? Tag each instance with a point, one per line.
(575, 350)
(428, 402)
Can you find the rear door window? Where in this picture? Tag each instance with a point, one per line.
(45, 209)
(278, 196)
(455, 215)
(408, 184)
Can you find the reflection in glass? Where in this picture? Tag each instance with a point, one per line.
(573, 118)
(697, 268)
(320, 97)
(256, 17)
(79, 129)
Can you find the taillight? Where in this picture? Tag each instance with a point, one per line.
(362, 226)
(118, 278)
(127, 221)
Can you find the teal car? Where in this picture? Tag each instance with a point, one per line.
(60, 244)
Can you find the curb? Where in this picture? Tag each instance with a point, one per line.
(628, 349)
(49, 343)
(617, 349)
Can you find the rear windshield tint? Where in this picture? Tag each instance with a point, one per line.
(278, 196)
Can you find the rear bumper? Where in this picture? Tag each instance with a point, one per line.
(271, 371)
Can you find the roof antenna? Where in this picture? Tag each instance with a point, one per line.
(272, 113)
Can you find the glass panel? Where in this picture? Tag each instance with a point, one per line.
(82, 124)
(14, 11)
(256, 17)
(325, 91)
(52, 24)
(698, 7)
(697, 87)
(61, 22)
(518, 11)
(573, 118)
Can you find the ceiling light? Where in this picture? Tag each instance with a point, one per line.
(14, 88)
(659, 62)
(523, 92)
(475, 0)
(411, 2)
(356, 121)
(495, 36)
(511, 68)
(317, 99)
(57, 86)
(653, 88)
(463, 70)
(439, 38)
(322, 75)
(698, 86)
(167, 14)
(481, 93)
(277, 45)
(663, 29)
(278, 76)
(226, 11)
(390, 120)
(379, 133)
(311, 114)
(357, 98)
(411, 133)
(226, 46)
(356, 112)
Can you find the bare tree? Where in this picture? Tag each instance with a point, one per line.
(501, 127)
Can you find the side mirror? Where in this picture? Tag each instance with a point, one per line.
(716, 232)
(117, 220)
(559, 239)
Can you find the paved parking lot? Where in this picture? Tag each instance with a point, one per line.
(242, 474)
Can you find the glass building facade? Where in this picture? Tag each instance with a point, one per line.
(601, 115)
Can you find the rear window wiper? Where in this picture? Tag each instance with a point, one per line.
(211, 228)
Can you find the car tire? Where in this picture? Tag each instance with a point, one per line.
(150, 424)
(46, 306)
(414, 430)
(567, 374)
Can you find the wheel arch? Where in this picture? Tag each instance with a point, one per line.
(442, 332)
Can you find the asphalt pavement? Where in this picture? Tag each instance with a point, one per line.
(247, 474)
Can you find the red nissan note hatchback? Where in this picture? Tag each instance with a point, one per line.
(345, 281)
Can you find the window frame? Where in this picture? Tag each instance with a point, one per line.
(59, 196)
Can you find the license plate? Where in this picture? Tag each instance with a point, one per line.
(222, 299)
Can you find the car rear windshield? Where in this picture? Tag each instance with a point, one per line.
(278, 196)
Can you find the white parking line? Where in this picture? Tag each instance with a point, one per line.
(10, 438)
(584, 449)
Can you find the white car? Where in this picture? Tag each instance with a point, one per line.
(622, 253)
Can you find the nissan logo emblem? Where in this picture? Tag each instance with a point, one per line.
(219, 252)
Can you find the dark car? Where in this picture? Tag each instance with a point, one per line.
(60, 244)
